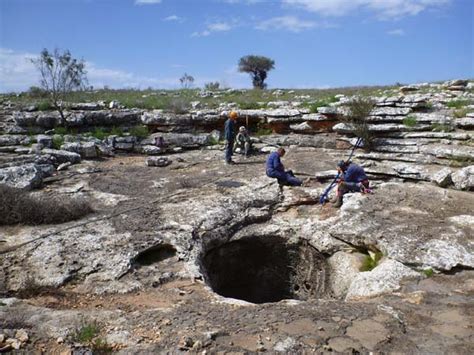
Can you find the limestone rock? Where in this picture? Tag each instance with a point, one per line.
(443, 177)
(27, 176)
(464, 178)
(391, 111)
(63, 156)
(465, 123)
(158, 161)
(44, 140)
(386, 277)
(344, 267)
(151, 150)
(10, 140)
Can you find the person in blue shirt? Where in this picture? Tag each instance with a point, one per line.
(229, 136)
(276, 170)
(352, 179)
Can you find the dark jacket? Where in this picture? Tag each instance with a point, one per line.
(275, 168)
(229, 129)
(355, 173)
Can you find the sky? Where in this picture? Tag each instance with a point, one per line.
(314, 43)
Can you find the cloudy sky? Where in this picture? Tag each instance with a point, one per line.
(315, 43)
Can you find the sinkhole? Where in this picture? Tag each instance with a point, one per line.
(266, 269)
(154, 255)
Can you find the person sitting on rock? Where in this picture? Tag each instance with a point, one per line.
(352, 179)
(243, 142)
(276, 170)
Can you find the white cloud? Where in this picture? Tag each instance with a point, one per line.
(384, 9)
(174, 18)
(290, 23)
(213, 27)
(147, 2)
(18, 73)
(396, 32)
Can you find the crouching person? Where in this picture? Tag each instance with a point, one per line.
(352, 179)
(276, 170)
(243, 142)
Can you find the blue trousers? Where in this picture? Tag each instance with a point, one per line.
(286, 178)
(229, 150)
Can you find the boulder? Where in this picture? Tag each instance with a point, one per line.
(44, 140)
(27, 176)
(10, 140)
(464, 178)
(391, 111)
(63, 156)
(386, 277)
(464, 123)
(158, 161)
(151, 150)
(443, 177)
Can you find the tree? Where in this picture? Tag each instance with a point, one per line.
(359, 109)
(60, 75)
(258, 67)
(186, 81)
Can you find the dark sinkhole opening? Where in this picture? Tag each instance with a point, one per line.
(154, 254)
(266, 269)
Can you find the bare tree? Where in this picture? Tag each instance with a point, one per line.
(258, 67)
(359, 109)
(186, 81)
(60, 75)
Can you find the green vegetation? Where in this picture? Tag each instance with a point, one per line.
(457, 103)
(359, 109)
(258, 68)
(116, 131)
(428, 272)
(313, 107)
(99, 133)
(371, 261)
(461, 113)
(44, 106)
(441, 127)
(89, 335)
(262, 131)
(409, 121)
(139, 131)
(58, 141)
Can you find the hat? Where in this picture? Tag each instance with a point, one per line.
(233, 115)
(242, 129)
(341, 164)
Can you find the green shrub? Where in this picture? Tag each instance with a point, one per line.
(44, 106)
(457, 103)
(359, 109)
(139, 131)
(313, 107)
(58, 141)
(409, 121)
(461, 113)
(99, 133)
(428, 272)
(116, 131)
(87, 332)
(262, 131)
(370, 262)
(250, 106)
(60, 130)
(18, 206)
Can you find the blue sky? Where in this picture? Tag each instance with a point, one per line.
(315, 43)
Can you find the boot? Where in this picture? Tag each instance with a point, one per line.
(338, 202)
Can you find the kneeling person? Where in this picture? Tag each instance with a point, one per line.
(276, 170)
(353, 179)
(243, 142)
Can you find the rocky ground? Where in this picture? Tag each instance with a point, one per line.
(186, 254)
(138, 264)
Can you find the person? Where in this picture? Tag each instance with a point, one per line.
(229, 136)
(275, 169)
(352, 179)
(243, 142)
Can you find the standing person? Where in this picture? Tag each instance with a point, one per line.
(353, 179)
(275, 169)
(243, 141)
(229, 135)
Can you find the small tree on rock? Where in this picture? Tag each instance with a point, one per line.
(257, 67)
(359, 109)
(60, 75)
(186, 81)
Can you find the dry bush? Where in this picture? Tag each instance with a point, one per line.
(359, 109)
(19, 206)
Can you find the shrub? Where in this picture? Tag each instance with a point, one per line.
(250, 106)
(86, 332)
(60, 130)
(37, 92)
(139, 131)
(409, 121)
(359, 109)
(457, 103)
(428, 272)
(116, 131)
(44, 106)
(19, 206)
(461, 113)
(212, 86)
(99, 133)
(313, 107)
(370, 262)
(58, 141)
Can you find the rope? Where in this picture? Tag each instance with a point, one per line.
(324, 196)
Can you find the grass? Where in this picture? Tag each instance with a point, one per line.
(60, 130)
(428, 272)
(99, 133)
(441, 127)
(58, 141)
(371, 261)
(461, 113)
(89, 335)
(139, 131)
(457, 104)
(19, 206)
(409, 121)
(313, 107)
(116, 131)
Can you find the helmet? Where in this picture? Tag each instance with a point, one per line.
(233, 115)
(341, 164)
(242, 129)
